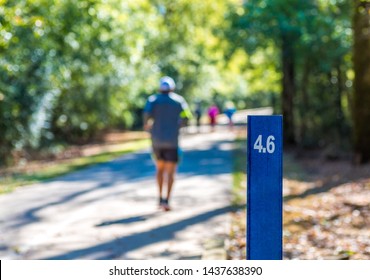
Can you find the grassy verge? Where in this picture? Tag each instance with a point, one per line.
(239, 169)
(54, 169)
(236, 242)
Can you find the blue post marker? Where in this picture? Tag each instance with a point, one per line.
(264, 190)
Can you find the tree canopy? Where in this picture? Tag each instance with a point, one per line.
(70, 70)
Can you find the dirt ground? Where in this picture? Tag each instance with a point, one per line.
(326, 210)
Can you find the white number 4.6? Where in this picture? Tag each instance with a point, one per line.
(270, 145)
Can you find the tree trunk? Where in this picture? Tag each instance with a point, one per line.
(361, 100)
(304, 104)
(338, 102)
(288, 90)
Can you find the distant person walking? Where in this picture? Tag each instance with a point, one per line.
(212, 114)
(167, 111)
(198, 113)
(229, 112)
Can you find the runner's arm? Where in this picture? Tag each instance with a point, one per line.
(185, 114)
(147, 115)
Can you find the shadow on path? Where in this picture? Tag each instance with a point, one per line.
(103, 175)
(115, 248)
(130, 220)
(211, 160)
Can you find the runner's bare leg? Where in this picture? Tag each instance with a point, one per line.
(170, 170)
(160, 164)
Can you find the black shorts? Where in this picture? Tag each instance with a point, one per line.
(166, 154)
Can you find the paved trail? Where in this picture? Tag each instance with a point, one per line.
(109, 211)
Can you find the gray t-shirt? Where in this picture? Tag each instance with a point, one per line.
(167, 112)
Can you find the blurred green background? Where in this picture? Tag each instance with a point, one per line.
(72, 70)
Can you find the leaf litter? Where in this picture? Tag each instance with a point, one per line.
(326, 211)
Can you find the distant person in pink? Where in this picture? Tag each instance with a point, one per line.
(212, 114)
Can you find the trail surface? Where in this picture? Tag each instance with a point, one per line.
(109, 211)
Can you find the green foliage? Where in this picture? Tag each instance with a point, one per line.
(72, 69)
(316, 36)
(69, 70)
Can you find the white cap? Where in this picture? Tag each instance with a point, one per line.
(167, 83)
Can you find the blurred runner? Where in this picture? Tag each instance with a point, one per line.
(212, 114)
(168, 111)
(198, 113)
(229, 112)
